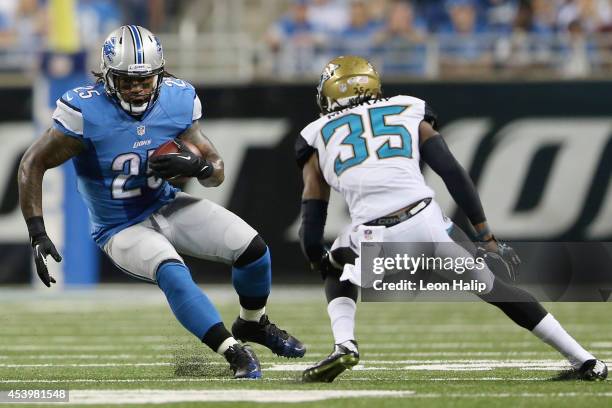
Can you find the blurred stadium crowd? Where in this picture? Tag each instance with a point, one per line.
(292, 39)
(452, 37)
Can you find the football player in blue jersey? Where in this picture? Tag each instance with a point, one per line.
(138, 218)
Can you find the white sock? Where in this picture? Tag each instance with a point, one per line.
(230, 341)
(341, 312)
(550, 332)
(252, 315)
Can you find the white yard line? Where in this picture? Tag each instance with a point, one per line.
(174, 343)
(127, 356)
(77, 347)
(265, 379)
(97, 357)
(114, 397)
(137, 380)
(516, 395)
(153, 396)
(367, 365)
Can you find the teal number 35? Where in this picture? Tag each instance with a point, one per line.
(357, 140)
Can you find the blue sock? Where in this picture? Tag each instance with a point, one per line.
(188, 303)
(255, 279)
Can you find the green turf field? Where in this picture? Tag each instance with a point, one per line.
(123, 345)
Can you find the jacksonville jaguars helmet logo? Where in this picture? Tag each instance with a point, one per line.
(327, 73)
(109, 48)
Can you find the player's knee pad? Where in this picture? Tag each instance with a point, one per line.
(256, 249)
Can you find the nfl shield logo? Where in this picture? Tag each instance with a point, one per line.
(367, 234)
(140, 130)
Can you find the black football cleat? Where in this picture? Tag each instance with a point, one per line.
(268, 334)
(243, 361)
(328, 369)
(590, 370)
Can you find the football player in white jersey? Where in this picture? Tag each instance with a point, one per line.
(368, 148)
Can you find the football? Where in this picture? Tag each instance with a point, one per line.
(171, 146)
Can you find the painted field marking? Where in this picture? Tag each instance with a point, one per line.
(265, 379)
(114, 397)
(126, 356)
(387, 365)
(323, 347)
(516, 395)
(441, 365)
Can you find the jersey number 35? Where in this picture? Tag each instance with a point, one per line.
(357, 136)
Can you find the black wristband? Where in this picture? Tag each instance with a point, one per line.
(206, 169)
(36, 227)
(314, 214)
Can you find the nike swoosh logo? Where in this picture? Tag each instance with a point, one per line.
(203, 168)
(38, 255)
(185, 157)
(68, 97)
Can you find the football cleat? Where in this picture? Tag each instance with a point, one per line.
(268, 334)
(590, 370)
(326, 370)
(243, 361)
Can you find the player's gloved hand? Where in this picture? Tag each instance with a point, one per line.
(181, 164)
(499, 255)
(326, 265)
(42, 247)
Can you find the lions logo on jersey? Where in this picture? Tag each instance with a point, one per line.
(109, 48)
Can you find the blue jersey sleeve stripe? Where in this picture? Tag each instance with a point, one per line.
(62, 100)
(60, 126)
(197, 108)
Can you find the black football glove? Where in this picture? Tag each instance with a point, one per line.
(41, 248)
(326, 265)
(181, 164)
(503, 259)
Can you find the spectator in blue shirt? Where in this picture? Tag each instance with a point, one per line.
(465, 47)
(294, 39)
(499, 15)
(358, 38)
(328, 16)
(401, 43)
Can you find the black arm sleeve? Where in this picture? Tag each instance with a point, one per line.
(303, 151)
(436, 154)
(431, 117)
(314, 214)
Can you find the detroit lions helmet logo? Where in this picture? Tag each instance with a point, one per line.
(159, 47)
(109, 48)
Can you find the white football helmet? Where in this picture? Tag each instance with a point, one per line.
(131, 52)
